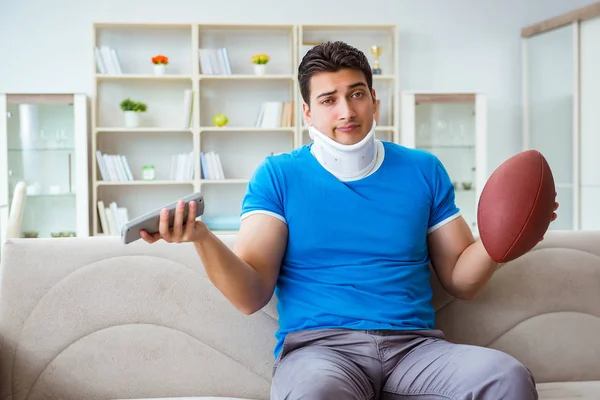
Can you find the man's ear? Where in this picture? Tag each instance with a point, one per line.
(306, 114)
(375, 102)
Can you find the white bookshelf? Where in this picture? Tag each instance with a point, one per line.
(233, 89)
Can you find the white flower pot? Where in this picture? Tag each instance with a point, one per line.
(260, 69)
(132, 119)
(159, 69)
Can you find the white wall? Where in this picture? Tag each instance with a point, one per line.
(445, 44)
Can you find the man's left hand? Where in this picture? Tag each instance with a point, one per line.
(554, 216)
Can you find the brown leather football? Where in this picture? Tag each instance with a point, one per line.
(516, 206)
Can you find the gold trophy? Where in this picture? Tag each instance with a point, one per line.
(376, 51)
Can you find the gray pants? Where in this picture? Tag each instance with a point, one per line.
(339, 364)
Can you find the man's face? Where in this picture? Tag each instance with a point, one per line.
(341, 106)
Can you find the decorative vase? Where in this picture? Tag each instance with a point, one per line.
(132, 119)
(259, 69)
(159, 69)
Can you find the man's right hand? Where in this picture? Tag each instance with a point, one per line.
(246, 276)
(189, 230)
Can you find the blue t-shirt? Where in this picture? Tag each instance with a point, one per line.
(357, 254)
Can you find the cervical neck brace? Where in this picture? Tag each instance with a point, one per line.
(346, 162)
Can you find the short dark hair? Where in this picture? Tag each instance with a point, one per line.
(331, 57)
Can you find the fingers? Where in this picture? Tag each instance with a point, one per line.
(163, 226)
(177, 233)
(178, 222)
(191, 213)
(190, 224)
(148, 237)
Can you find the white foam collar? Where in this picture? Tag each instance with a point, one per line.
(347, 162)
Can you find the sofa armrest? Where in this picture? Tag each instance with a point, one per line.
(543, 309)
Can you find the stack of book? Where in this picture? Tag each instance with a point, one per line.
(112, 218)
(113, 167)
(107, 60)
(182, 167)
(276, 114)
(211, 166)
(214, 61)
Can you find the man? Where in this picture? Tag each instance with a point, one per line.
(344, 230)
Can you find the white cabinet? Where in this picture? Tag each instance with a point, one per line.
(561, 99)
(589, 124)
(43, 142)
(453, 127)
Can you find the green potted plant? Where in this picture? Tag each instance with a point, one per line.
(131, 111)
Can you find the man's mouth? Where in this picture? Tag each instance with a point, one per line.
(347, 128)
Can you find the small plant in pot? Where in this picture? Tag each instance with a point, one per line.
(260, 63)
(160, 64)
(131, 111)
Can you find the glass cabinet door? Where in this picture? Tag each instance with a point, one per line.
(549, 93)
(43, 149)
(451, 126)
(448, 131)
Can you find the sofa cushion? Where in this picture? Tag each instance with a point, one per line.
(569, 390)
(192, 398)
(542, 308)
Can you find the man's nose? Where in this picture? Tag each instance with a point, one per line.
(346, 110)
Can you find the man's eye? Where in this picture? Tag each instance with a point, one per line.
(357, 94)
(326, 101)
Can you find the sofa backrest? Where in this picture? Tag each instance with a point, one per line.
(89, 317)
(92, 318)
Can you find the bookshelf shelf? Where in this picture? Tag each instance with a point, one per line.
(226, 129)
(245, 77)
(141, 130)
(209, 73)
(227, 28)
(143, 183)
(150, 26)
(224, 181)
(342, 27)
(137, 77)
(383, 78)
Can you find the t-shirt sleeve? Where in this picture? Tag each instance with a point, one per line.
(264, 193)
(443, 207)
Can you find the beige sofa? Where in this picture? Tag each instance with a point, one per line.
(89, 318)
